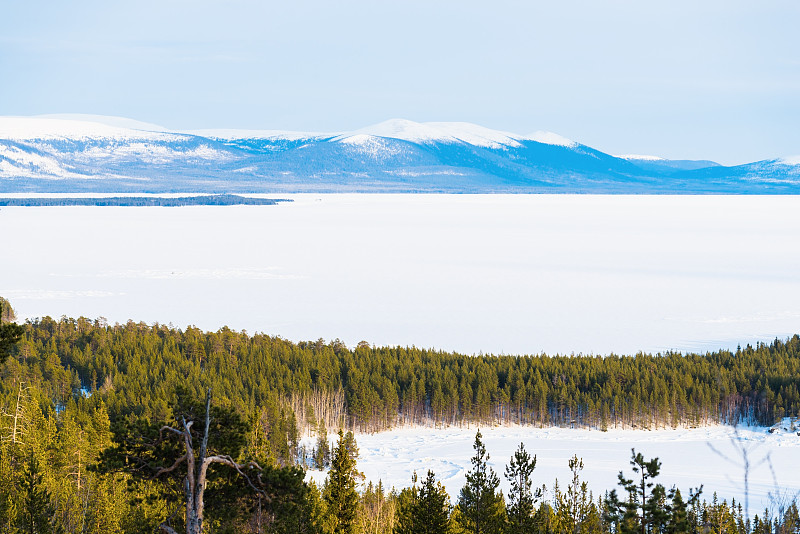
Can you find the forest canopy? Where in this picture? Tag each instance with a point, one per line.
(135, 368)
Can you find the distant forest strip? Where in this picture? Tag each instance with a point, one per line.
(136, 368)
(170, 202)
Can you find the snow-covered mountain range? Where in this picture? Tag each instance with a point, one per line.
(68, 153)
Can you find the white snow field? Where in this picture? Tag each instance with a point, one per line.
(689, 458)
(493, 273)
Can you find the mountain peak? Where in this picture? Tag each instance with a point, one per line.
(50, 127)
(108, 120)
(640, 157)
(447, 132)
(550, 138)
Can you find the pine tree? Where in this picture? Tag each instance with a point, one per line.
(8, 489)
(545, 519)
(632, 514)
(481, 506)
(377, 513)
(35, 510)
(322, 452)
(648, 507)
(181, 455)
(10, 332)
(575, 506)
(339, 494)
(106, 512)
(288, 506)
(522, 498)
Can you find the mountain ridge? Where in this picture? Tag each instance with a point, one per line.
(105, 154)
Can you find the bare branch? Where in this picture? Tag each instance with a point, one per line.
(165, 427)
(165, 525)
(227, 460)
(204, 446)
(745, 450)
(721, 454)
(191, 481)
(194, 483)
(174, 466)
(187, 426)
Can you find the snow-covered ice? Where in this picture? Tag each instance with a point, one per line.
(689, 457)
(492, 273)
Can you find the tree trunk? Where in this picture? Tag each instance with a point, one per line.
(194, 484)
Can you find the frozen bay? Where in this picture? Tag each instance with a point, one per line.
(689, 458)
(492, 273)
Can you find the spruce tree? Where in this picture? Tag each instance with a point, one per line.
(678, 522)
(407, 502)
(522, 498)
(425, 510)
(433, 509)
(339, 494)
(481, 506)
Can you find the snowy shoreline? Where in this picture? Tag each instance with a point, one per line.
(689, 456)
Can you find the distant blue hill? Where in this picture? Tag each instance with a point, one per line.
(57, 155)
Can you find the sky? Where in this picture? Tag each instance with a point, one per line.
(680, 79)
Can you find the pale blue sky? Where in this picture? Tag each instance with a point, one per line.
(680, 79)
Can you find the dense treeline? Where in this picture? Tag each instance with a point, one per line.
(201, 200)
(135, 367)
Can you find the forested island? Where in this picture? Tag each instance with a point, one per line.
(140, 428)
(138, 201)
(136, 367)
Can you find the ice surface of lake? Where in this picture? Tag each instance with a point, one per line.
(491, 273)
(687, 458)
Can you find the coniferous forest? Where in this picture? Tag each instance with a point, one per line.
(147, 428)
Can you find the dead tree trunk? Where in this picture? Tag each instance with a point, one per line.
(194, 484)
(18, 418)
